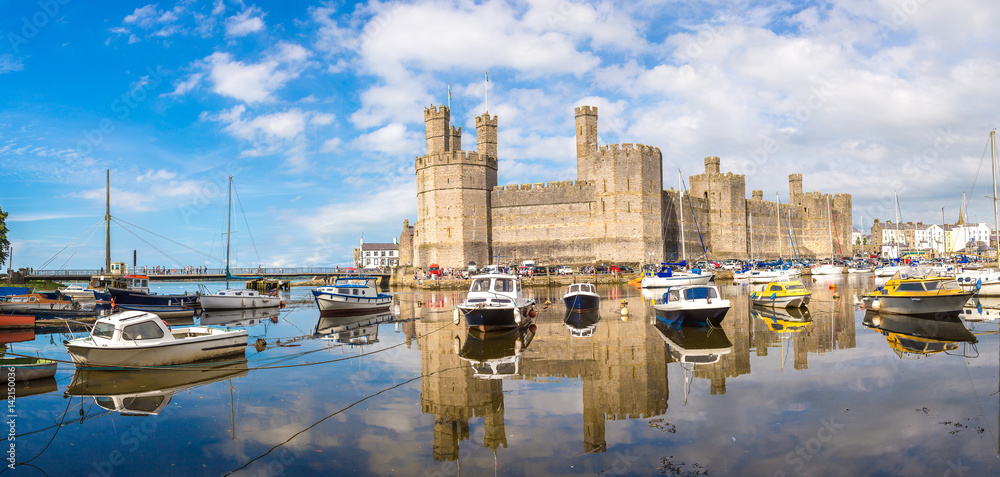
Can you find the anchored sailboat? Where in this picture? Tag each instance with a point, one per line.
(235, 298)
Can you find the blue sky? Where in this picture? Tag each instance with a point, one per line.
(317, 110)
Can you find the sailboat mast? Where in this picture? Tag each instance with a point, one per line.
(229, 219)
(680, 186)
(777, 200)
(107, 223)
(896, 201)
(996, 220)
(829, 211)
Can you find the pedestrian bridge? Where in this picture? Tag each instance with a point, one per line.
(202, 273)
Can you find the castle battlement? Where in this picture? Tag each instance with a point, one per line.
(586, 111)
(628, 148)
(486, 120)
(552, 185)
(455, 157)
(435, 111)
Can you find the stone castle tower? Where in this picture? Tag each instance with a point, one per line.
(615, 212)
(453, 192)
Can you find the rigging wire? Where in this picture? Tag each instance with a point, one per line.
(119, 221)
(982, 159)
(252, 243)
(68, 245)
(147, 243)
(78, 249)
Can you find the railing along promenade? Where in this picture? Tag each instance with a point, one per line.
(204, 273)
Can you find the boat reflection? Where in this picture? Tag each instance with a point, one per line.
(496, 354)
(244, 318)
(913, 337)
(783, 321)
(145, 392)
(581, 324)
(353, 329)
(982, 308)
(694, 346)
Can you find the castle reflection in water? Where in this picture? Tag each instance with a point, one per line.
(622, 363)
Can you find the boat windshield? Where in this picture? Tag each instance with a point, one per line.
(795, 287)
(104, 330)
(503, 285)
(700, 293)
(480, 285)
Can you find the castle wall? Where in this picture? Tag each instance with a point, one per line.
(693, 224)
(548, 222)
(627, 225)
(727, 217)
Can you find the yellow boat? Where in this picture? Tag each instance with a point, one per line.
(917, 292)
(783, 293)
(916, 337)
(782, 321)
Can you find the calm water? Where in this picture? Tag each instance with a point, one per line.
(414, 394)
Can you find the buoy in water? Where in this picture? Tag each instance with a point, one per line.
(532, 313)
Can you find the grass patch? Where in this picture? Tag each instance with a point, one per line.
(43, 285)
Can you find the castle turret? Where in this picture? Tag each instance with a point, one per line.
(586, 141)
(794, 188)
(712, 165)
(486, 135)
(757, 194)
(456, 139)
(438, 134)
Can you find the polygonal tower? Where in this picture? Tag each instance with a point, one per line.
(453, 197)
(586, 141)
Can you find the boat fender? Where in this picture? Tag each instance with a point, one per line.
(875, 305)
(979, 284)
(774, 295)
(517, 316)
(167, 325)
(532, 313)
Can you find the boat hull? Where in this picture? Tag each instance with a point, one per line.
(17, 321)
(701, 316)
(228, 302)
(29, 369)
(129, 297)
(581, 301)
(331, 303)
(921, 306)
(490, 318)
(218, 344)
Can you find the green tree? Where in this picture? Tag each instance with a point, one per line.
(4, 243)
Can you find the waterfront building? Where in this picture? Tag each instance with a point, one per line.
(898, 240)
(615, 211)
(374, 255)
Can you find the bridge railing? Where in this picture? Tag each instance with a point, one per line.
(270, 271)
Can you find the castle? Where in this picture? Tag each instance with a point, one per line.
(615, 212)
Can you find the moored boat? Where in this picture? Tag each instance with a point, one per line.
(136, 292)
(692, 305)
(581, 296)
(912, 292)
(783, 293)
(163, 311)
(236, 299)
(915, 336)
(78, 292)
(17, 321)
(136, 339)
(28, 368)
(33, 301)
(495, 300)
(667, 277)
(828, 269)
(352, 295)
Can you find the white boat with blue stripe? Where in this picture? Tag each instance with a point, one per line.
(350, 295)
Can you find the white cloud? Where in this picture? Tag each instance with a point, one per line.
(331, 145)
(256, 82)
(392, 139)
(244, 23)
(8, 64)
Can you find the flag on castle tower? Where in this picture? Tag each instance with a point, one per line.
(449, 96)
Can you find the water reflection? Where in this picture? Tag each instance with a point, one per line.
(496, 354)
(913, 337)
(240, 318)
(982, 308)
(693, 347)
(582, 323)
(146, 392)
(354, 330)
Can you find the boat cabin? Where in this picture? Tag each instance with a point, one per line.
(137, 283)
(354, 286)
(690, 294)
(495, 289)
(775, 287)
(582, 288)
(133, 328)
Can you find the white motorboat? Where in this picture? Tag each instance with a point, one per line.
(136, 339)
(581, 296)
(238, 299)
(766, 276)
(886, 271)
(987, 281)
(828, 269)
(495, 300)
(352, 295)
(77, 292)
(692, 305)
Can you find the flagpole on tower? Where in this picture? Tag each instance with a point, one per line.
(486, 86)
(449, 97)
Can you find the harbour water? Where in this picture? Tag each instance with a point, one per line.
(412, 393)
